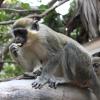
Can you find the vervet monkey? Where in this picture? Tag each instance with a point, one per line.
(34, 45)
(56, 53)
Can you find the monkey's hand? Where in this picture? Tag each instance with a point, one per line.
(14, 49)
(39, 82)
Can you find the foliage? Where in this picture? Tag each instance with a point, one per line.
(53, 20)
(67, 17)
(43, 8)
(25, 6)
(9, 70)
(75, 33)
(71, 10)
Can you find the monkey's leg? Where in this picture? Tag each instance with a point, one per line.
(48, 70)
(65, 57)
(68, 75)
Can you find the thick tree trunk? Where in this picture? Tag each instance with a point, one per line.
(1, 1)
(87, 15)
(22, 90)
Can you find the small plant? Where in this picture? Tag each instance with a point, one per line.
(10, 70)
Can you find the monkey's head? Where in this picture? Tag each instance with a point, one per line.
(21, 30)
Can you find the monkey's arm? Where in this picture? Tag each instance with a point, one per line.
(48, 70)
(18, 57)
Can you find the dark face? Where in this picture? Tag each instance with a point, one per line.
(20, 36)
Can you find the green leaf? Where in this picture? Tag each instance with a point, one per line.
(43, 7)
(25, 6)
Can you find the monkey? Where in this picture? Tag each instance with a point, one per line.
(33, 45)
(76, 63)
(57, 54)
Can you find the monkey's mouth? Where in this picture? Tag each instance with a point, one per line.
(20, 43)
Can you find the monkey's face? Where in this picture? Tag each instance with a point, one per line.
(20, 35)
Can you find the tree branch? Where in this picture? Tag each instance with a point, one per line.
(51, 3)
(38, 16)
(7, 22)
(19, 11)
(48, 10)
(1, 1)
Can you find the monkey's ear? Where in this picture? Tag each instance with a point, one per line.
(35, 26)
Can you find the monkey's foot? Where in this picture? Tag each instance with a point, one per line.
(39, 82)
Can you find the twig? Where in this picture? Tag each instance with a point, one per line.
(7, 22)
(52, 2)
(48, 10)
(19, 11)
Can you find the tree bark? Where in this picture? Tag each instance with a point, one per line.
(88, 14)
(22, 90)
(1, 1)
